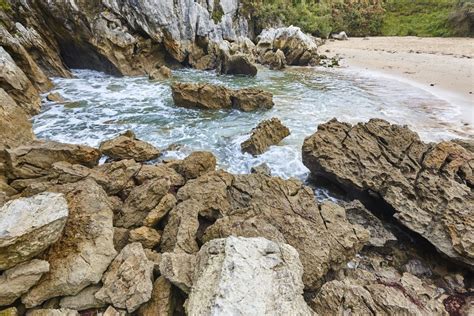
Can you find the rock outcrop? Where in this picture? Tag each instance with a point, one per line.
(267, 133)
(215, 97)
(161, 73)
(298, 48)
(429, 186)
(260, 206)
(247, 276)
(238, 64)
(28, 226)
(127, 146)
(128, 282)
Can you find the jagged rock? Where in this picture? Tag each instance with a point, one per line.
(128, 282)
(256, 205)
(161, 171)
(417, 268)
(299, 48)
(11, 311)
(30, 225)
(127, 146)
(195, 165)
(111, 311)
(162, 300)
(213, 97)
(86, 248)
(141, 200)
(18, 280)
(161, 73)
(36, 158)
(16, 128)
(160, 211)
(261, 169)
(83, 300)
(427, 185)
(178, 268)
(275, 60)
(147, 236)
(14, 81)
(238, 64)
(267, 133)
(116, 176)
(155, 258)
(121, 237)
(52, 312)
(247, 276)
(380, 236)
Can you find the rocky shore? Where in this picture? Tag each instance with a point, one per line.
(118, 230)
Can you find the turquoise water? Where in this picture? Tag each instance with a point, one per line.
(102, 106)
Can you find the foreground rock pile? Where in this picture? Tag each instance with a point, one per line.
(180, 236)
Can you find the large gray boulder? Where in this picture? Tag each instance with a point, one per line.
(247, 276)
(428, 186)
(28, 226)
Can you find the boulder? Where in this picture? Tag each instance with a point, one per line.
(36, 158)
(238, 64)
(18, 280)
(162, 300)
(256, 205)
(160, 171)
(275, 60)
(147, 236)
(52, 312)
(121, 237)
(83, 300)
(195, 165)
(247, 276)
(117, 176)
(127, 146)
(178, 268)
(299, 48)
(28, 226)
(342, 36)
(261, 169)
(86, 248)
(267, 133)
(214, 97)
(161, 73)
(428, 186)
(128, 282)
(55, 97)
(160, 211)
(11, 311)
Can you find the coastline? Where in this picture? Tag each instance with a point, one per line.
(443, 67)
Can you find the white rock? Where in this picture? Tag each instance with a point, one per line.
(30, 225)
(83, 300)
(247, 276)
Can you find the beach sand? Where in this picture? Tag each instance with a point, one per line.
(442, 66)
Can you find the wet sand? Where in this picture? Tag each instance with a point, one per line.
(441, 66)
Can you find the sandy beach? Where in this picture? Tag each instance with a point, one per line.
(442, 66)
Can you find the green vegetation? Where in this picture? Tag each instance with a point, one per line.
(5, 5)
(366, 17)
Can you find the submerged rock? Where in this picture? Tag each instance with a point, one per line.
(213, 97)
(55, 97)
(127, 146)
(267, 133)
(247, 276)
(28, 226)
(429, 186)
(161, 73)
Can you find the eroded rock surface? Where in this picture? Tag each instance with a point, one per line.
(429, 186)
(247, 276)
(29, 226)
(195, 165)
(83, 300)
(162, 300)
(127, 146)
(267, 133)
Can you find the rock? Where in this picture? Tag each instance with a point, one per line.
(417, 268)
(195, 165)
(127, 146)
(162, 300)
(52, 312)
(118, 176)
(11, 311)
(299, 48)
(141, 200)
(121, 237)
(128, 282)
(155, 258)
(160, 211)
(55, 97)
(86, 248)
(16, 127)
(275, 60)
(250, 99)
(256, 205)
(161, 171)
(161, 73)
(36, 158)
(261, 169)
(247, 276)
(30, 225)
(427, 185)
(342, 36)
(213, 97)
(18, 280)
(238, 64)
(267, 133)
(178, 268)
(380, 236)
(111, 311)
(83, 300)
(147, 236)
